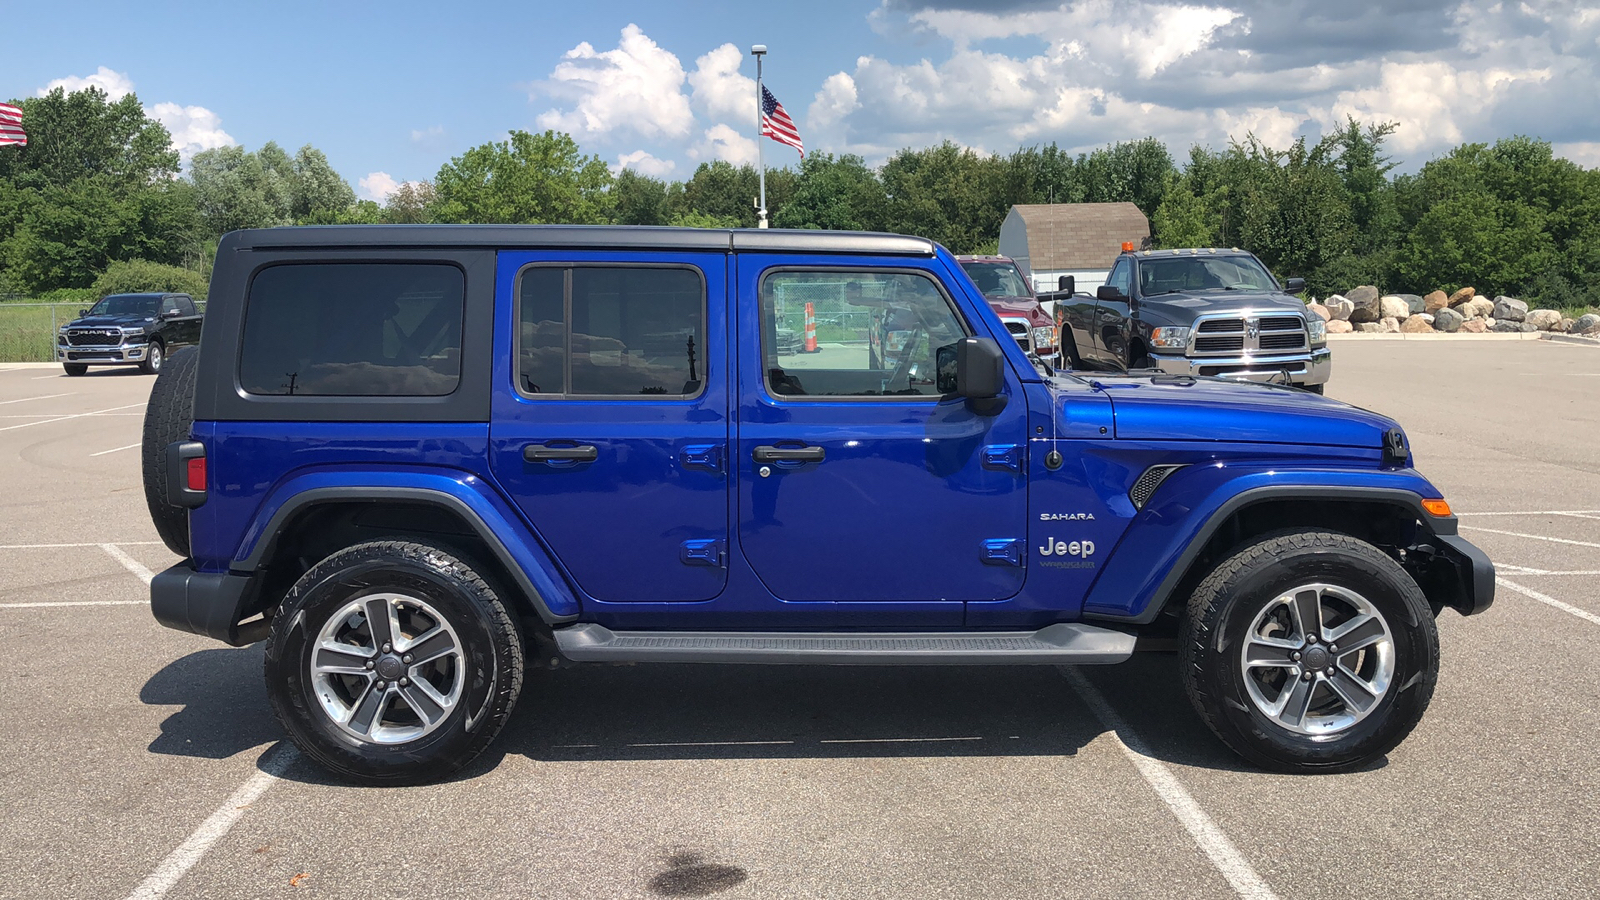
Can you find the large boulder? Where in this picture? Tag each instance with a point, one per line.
(1339, 306)
(1566, 325)
(1365, 302)
(1415, 325)
(1391, 325)
(1320, 310)
(1414, 302)
(1589, 324)
(1544, 319)
(1506, 326)
(1369, 328)
(1339, 326)
(1392, 307)
(1435, 301)
(1448, 321)
(1477, 308)
(1510, 309)
(1474, 326)
(1462, 296)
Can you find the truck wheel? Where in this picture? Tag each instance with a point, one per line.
(153, 358)
(76, 369)
(1068, 351)
(1310, 651)
(393, 662)
(1314, 388)
(168, 417)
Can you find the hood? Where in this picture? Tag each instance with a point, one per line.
(1182, 308)
(112, 321)
(1176, 408)
(1019, 307)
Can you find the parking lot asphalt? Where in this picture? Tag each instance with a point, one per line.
(139, 762)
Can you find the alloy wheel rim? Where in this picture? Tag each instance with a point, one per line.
(155, 357)
(1317, 659)
(387, 668)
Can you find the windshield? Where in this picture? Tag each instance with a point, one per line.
(126, 305)
(997, 279)
(1203, 273)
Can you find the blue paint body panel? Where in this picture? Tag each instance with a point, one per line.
(922, 514)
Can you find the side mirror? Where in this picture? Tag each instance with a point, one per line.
(1294, 286)
(1108, 293)
(170, 314)
(1067, 284)
(973, 368)
(82, 313)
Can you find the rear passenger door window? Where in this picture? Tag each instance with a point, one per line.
(353, 330)
(611, 331)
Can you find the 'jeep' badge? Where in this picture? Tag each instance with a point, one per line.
(1053, 547)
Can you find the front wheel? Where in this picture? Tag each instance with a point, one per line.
(154, 357)
(76, 369)
(1310, 651)
(393, 662)
(1313, 388)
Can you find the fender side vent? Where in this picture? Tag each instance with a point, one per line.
(1146, 486)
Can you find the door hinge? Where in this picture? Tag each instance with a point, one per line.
(1002, 552)
(704, 552)
(707, 457)
(1003, 457)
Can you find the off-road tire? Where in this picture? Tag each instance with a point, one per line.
(75, 369)
(168, 417)
(491, 650)
(1314, 388)
(1226, 603)
(155, 358)
(1068, 351)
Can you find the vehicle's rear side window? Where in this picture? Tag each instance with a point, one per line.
(611, 331)
(353, 330)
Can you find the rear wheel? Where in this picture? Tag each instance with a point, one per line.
(75, 369)
(1310, 652)
(393, 662)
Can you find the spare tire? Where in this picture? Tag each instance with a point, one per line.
(169, 417)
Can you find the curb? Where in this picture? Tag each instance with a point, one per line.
(1578, 339)
(1400, 336)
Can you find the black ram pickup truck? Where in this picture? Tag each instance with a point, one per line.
(128, 330)
(1196, 312)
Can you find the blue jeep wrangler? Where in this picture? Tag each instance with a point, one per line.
(418, 459)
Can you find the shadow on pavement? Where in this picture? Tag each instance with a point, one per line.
(223, 707)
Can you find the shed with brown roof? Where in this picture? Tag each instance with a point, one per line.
(1049, 240)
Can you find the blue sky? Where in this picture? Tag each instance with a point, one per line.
(396, 89)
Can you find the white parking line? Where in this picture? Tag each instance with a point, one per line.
(181, 860)
(73, 416)
(1544, 598)
(76, 603)
(1211, 839)
(1535, 537)
(69, 546)
(1526, 570)
(1538, 512)
(117, 449)
(41, 397)
(128, 562)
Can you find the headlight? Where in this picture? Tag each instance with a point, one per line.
(1318, 329)
(1044, 336)
(1169, 337)
(133, 335)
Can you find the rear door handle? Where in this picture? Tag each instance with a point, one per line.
(769, 453)
(547, 453)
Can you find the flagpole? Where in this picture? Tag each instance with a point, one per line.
(758, 51)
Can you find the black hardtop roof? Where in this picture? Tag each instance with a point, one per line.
(591, 237)
(162, 294)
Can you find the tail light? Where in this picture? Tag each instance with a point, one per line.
(186, 474)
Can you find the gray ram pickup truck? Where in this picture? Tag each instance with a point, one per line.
(1196, 312)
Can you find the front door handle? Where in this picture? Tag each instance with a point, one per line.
(547, 453)
(769, 453)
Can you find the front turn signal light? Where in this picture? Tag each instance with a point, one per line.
(1436, 507)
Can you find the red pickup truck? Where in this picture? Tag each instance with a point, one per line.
(1013, 300)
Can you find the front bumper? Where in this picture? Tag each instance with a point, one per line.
(1465, 581)
(1314, 367)
(122, 353)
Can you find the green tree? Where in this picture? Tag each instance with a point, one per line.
(235, 190)
(410, 204)
(1134, 172)
(640, 199)
(946, 193)
(1184, 219)
(530, 178)
(834, 193)
(318, 192)
(135, 276)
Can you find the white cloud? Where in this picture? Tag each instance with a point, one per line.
(1434, 102)
(724, 142)
(193, 128)
(377, 186)
(1584, 153)
(637, 88)
(721, 91)
(116, 84)
(645, 164)
(433, 134)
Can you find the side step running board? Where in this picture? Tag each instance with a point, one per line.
(1060, 644)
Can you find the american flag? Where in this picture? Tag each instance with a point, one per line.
(11, 125)
(776, 124)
